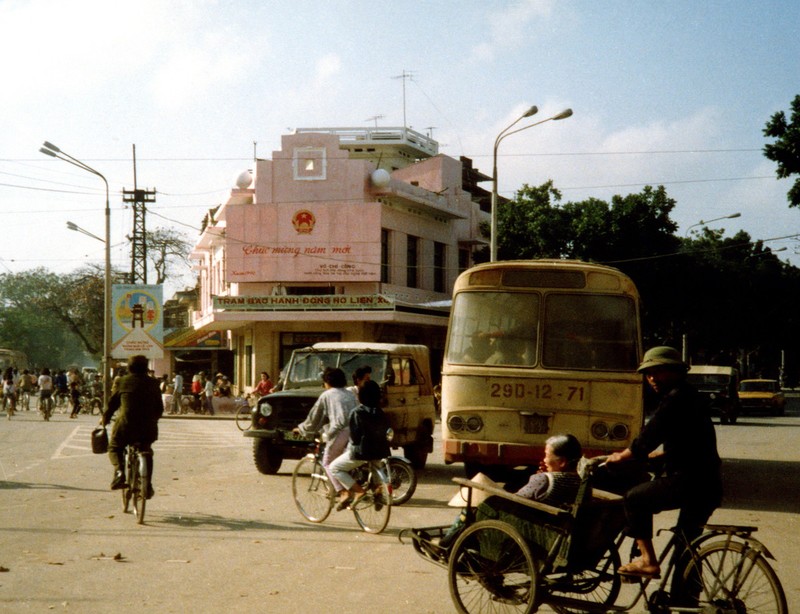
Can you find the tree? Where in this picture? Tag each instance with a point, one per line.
(164, 247)
(55, 318)
(786, 149)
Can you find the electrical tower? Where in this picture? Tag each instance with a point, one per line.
(138, 199)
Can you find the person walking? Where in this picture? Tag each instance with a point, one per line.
(177, 393)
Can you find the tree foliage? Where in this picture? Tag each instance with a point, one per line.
(727, 295)
(165, 248)
(785, 151)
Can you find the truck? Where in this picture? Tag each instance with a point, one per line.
(402, 370)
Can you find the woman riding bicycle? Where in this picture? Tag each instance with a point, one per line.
(692, 481)
(368, 426)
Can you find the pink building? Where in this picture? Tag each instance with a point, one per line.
(344, 234)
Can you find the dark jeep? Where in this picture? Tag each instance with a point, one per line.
(403, 371)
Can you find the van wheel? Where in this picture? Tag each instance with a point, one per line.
(268, 459)
(417, 454)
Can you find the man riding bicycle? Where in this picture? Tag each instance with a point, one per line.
(138, 399)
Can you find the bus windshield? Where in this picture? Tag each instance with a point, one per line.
(580, 331)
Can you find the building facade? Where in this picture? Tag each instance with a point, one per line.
(345, 234)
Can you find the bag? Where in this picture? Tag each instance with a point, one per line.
(100, 440)
(368, 426)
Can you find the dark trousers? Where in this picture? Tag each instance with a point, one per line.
(696, 498)
(116, 454)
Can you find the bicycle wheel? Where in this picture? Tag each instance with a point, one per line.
(735, 578)
(403, 479)
(127, 492)
(244, 417)
(373, 509)
(139, 488)
(492, 569)
(312, 492)
(600, 584)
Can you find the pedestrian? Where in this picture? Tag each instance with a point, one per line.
(75, 398)
(692, 481)
(9, 392)
(138, 400)
(361, 376)
(208, 390)
(177, 393)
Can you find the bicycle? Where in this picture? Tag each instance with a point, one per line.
(244, 416)
(46, 407)
(315, 497)
(533, 554)
(137, 479)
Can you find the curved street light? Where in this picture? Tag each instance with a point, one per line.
(716, 219)
(51, 150)
(503, 134)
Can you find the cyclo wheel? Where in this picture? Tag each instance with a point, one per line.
(244, 417)
(735, 577)
(373, 510)
(311, 489)
(600, 584)
(492, 569)
(139, 488)
(403, 479)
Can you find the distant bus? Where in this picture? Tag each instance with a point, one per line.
(12, 358)
(536, 348)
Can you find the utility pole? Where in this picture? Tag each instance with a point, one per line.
(138, 199)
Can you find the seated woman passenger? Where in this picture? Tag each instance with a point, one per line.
(556, 484)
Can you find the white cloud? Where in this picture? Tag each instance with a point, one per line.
(328, 66)
(511, 26)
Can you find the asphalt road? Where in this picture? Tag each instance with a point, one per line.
(220, 537)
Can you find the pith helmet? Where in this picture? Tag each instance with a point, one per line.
(660, 356)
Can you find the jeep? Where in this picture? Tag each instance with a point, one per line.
(403, 372)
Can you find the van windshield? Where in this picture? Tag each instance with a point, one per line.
(307, 366)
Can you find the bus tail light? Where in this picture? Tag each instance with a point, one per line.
(455, 423)
(620, 431)
(600, 430)
(474, 424)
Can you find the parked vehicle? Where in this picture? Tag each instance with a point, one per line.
(762, 396)
(403, 371)
(720, 386)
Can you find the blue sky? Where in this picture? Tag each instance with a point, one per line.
(673, 93)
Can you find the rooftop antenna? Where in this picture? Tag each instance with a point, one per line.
(375, 118)
(430, 130)
(407, 74)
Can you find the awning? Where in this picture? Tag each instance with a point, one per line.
(191, 339)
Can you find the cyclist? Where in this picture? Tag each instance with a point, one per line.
(333, 407)
(25, 385)
(264, 386)
(138, 399)
(693, 483)
(46, 386)
(368, 426)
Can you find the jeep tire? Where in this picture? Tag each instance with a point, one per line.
(267, 457)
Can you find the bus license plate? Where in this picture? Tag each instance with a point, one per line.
(536, 424)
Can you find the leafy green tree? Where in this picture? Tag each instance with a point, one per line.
(785, 151)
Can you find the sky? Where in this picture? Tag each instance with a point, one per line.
(672, 93)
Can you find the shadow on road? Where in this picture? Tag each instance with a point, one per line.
(772, 486)
(195, 520)
(34, 486)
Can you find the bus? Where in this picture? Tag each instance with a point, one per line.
(535, 348)
(12, 358)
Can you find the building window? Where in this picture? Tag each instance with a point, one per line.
(463, 259)
(309, 164)
(439, 268)
(384, 256)
(412, 262)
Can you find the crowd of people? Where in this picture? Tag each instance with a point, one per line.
(68, 388)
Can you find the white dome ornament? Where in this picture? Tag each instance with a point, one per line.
(380, 178)
(244, 180)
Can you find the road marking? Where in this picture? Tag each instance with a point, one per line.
(171, 436)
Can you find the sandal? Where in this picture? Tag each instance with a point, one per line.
(637, 568)
(343, 503)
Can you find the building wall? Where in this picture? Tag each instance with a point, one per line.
(312, 174)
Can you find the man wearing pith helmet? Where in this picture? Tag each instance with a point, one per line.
(692, 481)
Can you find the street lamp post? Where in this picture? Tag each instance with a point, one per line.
(53, 151)
(716, 219)
(503, 134)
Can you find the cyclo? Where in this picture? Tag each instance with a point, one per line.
(528, 554)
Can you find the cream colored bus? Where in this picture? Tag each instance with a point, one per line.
(535, 348)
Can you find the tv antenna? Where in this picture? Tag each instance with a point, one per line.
(407, 74)
(375, 118)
